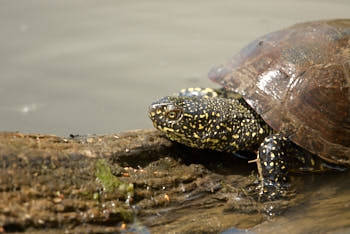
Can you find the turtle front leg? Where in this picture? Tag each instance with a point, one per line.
(272, 166)
(277, 155)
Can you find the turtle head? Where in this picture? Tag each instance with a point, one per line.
(214, 123)
(184, 119)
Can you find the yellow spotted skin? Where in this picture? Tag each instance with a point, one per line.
(209, 122)
(200, 118)
(276, 154)
(198, 92)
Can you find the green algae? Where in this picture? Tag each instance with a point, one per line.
(110, 182)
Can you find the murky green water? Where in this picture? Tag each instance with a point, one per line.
(94, 66)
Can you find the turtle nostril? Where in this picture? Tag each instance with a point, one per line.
(151, 108)
(155, 107)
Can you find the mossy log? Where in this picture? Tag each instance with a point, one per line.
(133, 181)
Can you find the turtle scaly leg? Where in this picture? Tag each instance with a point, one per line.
(272, 166)
(276, 155)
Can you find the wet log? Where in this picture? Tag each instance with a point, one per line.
(134, 181)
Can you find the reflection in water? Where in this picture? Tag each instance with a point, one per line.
(324, 207)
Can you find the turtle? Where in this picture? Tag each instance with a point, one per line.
(291, 104)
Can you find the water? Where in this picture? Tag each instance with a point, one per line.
(325, 208)
(94, 66)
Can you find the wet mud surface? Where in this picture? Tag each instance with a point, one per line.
(139, 182)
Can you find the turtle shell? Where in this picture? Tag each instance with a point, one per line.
(298, 80)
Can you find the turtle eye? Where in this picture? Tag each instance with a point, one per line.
(173, 114)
